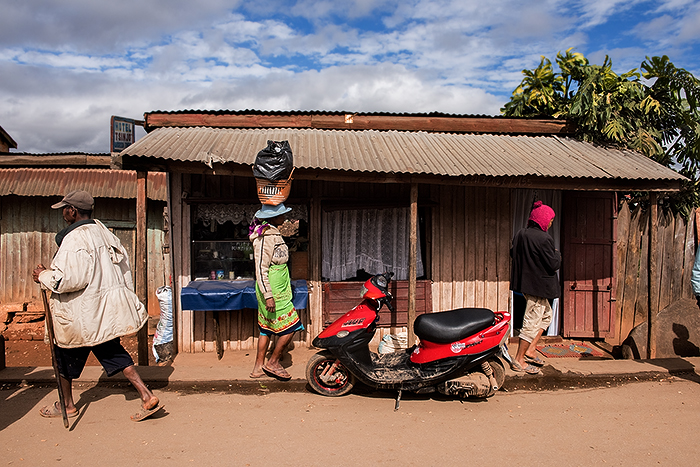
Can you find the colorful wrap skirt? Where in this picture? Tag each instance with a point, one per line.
(285, 319)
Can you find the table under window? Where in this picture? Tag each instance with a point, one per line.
(226, 295)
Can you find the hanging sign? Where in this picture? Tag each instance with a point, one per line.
(122, 133)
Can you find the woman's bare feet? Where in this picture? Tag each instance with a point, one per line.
(257, 373)
(150, 403)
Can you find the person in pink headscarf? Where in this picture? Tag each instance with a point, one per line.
(534, 274)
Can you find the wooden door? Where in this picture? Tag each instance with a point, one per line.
(588, 264)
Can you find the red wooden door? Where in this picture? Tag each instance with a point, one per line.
(588, 264)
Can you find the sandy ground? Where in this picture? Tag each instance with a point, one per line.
(649, 423)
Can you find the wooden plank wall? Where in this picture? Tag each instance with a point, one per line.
(470, 248)
(28, 227)
(27, 231)
(675, 257)
(239, 330)
(341, 297)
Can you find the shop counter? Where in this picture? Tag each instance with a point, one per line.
(224, 295)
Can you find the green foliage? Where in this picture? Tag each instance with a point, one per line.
(657, 116)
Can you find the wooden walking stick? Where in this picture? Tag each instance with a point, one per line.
(52, 343)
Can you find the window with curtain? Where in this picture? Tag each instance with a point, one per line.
(372, 240)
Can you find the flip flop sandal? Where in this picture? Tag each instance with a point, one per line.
(529, 369)
(54, 411)
(534, 360)
(280, 375)
(143, 414)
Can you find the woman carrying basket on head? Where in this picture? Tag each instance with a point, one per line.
(276, 313)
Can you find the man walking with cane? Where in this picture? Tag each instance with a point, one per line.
(92, 303)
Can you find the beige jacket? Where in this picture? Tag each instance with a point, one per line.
(268, 248)
(92, 299)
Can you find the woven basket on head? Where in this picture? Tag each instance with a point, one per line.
(273, 193)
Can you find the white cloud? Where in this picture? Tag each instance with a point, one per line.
(597, 12)
(81, 61)
(70, 61)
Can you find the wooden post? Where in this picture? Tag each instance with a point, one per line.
(315, 303)
(653, 284)
(141, 266)
(182, 320)
(412, 254)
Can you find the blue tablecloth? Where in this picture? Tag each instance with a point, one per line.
(232, 295)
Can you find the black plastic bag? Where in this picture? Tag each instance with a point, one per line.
(275, 162)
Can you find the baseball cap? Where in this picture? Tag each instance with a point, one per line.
(79, 199)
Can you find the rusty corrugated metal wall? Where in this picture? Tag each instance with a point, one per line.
(470, 248)
(28, 227)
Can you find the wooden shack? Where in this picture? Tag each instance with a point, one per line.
(444, 193)
(31, 183)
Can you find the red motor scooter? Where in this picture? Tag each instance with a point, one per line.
(458, 353)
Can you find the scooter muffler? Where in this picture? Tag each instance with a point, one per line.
(471, 385)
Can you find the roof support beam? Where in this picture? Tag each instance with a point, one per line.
(429, 123)
(142, 263)
(412, 266)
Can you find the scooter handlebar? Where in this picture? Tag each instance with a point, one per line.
(388, 300)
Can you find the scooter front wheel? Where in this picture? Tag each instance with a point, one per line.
(327, 376)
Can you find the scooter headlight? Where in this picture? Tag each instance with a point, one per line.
(342, 333)
(363, 291)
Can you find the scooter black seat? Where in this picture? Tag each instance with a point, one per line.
(450, 326)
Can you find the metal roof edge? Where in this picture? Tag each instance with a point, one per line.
(101, 183)
(6, 136)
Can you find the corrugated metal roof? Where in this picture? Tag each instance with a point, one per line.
(101, 183)
(405, 152)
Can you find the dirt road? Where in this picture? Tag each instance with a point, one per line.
(648, 423)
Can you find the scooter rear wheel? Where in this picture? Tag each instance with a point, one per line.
(326, 379)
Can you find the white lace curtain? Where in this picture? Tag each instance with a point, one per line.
(237, 213)
(375, 240)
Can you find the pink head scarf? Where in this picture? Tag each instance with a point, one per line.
(541, 214)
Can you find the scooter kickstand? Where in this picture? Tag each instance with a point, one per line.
(398, 400)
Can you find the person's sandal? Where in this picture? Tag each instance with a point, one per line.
(534, 360)
(529, 369)
(54, 411)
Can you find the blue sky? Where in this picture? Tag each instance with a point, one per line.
(66, 66)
